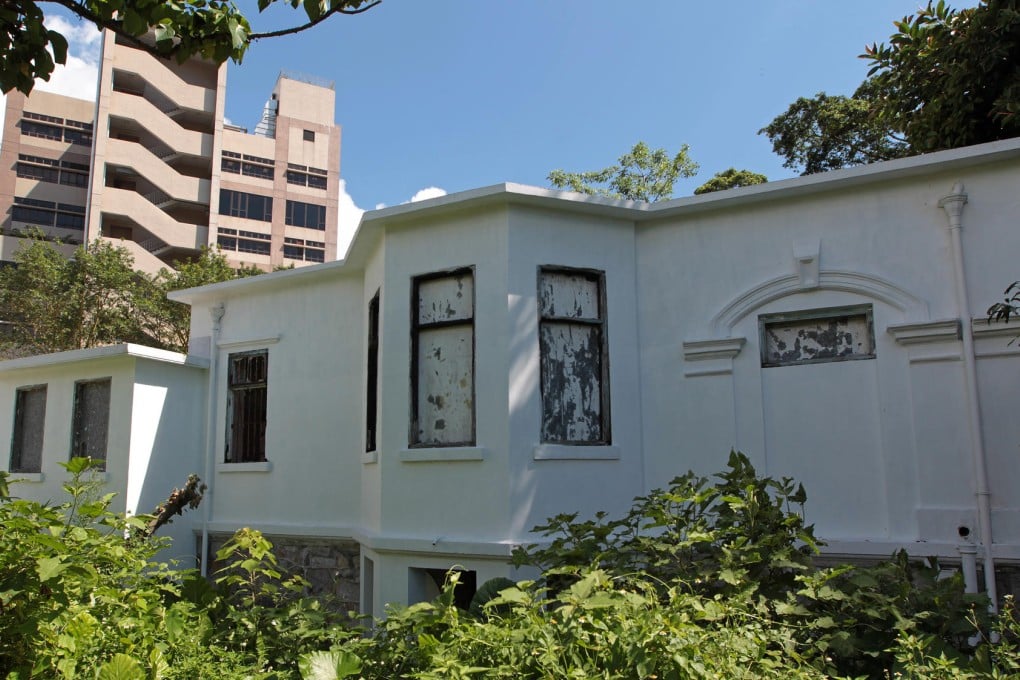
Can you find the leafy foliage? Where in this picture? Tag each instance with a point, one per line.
(708, 578)
(731, 179)
(950, 78)
(211, 29)
(642, 174)
(829, 132)
(946, 79)
(97, 298)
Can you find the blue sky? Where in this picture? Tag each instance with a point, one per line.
(456, 94)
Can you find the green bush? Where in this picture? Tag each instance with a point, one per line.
(707, 578)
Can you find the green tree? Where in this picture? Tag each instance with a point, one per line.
(829, 132)
(97, 298)
(950, 78)
(642, 174)
(211, 29)
(731, 179)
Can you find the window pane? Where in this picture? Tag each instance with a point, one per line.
(845, 334)
(246, 407)
(91, 419)
(447, 299)
(569, 296)
(445, 385)
(571, 382)
(29, 418)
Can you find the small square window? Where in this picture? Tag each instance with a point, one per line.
(817, 336)
(91, 420)
(309, 135)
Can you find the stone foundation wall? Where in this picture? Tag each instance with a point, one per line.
(331, 566)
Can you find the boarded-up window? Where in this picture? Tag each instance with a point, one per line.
(817, 336)
(443, 358)
(246, 406)
(91, 420)
(372, 377)
(574, 358)
(29, 417)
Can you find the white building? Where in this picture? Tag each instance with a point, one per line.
(484, 360)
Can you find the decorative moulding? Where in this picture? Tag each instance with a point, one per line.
(711, 357)
(805, 254)
(945, 330)
(996, 329)
(254, 342)
(865, 285)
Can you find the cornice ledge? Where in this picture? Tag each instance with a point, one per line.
(943, 330)
(705, 350)
(983, 328)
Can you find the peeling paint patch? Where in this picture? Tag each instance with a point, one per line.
(572, 344)
(443, 355)
(817, 336)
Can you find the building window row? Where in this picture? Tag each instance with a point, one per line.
(243, 204)
(308, 215)
(305, 250)
(250, 166)
(52, 170)
(304, 176)
(573, 360)
(89, 430)
(58, 129)
(242, 241)
(47, 213)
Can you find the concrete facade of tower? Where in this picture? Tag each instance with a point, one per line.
(153, 166)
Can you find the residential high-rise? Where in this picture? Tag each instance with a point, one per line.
(168, 175)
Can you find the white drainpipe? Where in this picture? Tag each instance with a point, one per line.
(216, 312)
(953, 205)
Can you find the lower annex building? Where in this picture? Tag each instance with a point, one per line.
(484, 360)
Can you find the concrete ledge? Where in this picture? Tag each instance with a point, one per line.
(261, 466)
(443, 454)
(566, 452)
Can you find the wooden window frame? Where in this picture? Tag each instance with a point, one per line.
(765, 320)
(416, 328)
(78, 444)
(372, 376)
(250, 448)
(605, 425)
(19, 429)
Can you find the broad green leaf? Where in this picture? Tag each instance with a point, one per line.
(328, 665)
(121, 667)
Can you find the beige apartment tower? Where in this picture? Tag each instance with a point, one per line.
(163, 175)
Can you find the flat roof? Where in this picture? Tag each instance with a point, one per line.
(373, 222)
(105, 352)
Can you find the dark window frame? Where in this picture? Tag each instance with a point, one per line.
(247, 406)
(20, 429)
(80, 444)
(600, 323)
(372, 377)
(416, 329)
(786, 318)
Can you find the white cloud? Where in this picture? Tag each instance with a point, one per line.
(427, 193)
(78, 77)
(348, 217)
(379, 206)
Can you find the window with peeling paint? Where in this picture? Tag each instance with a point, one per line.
(443, 359)
(574, 362)
(247, 383)
(29, 417)
(91, 420)
(817, 336)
